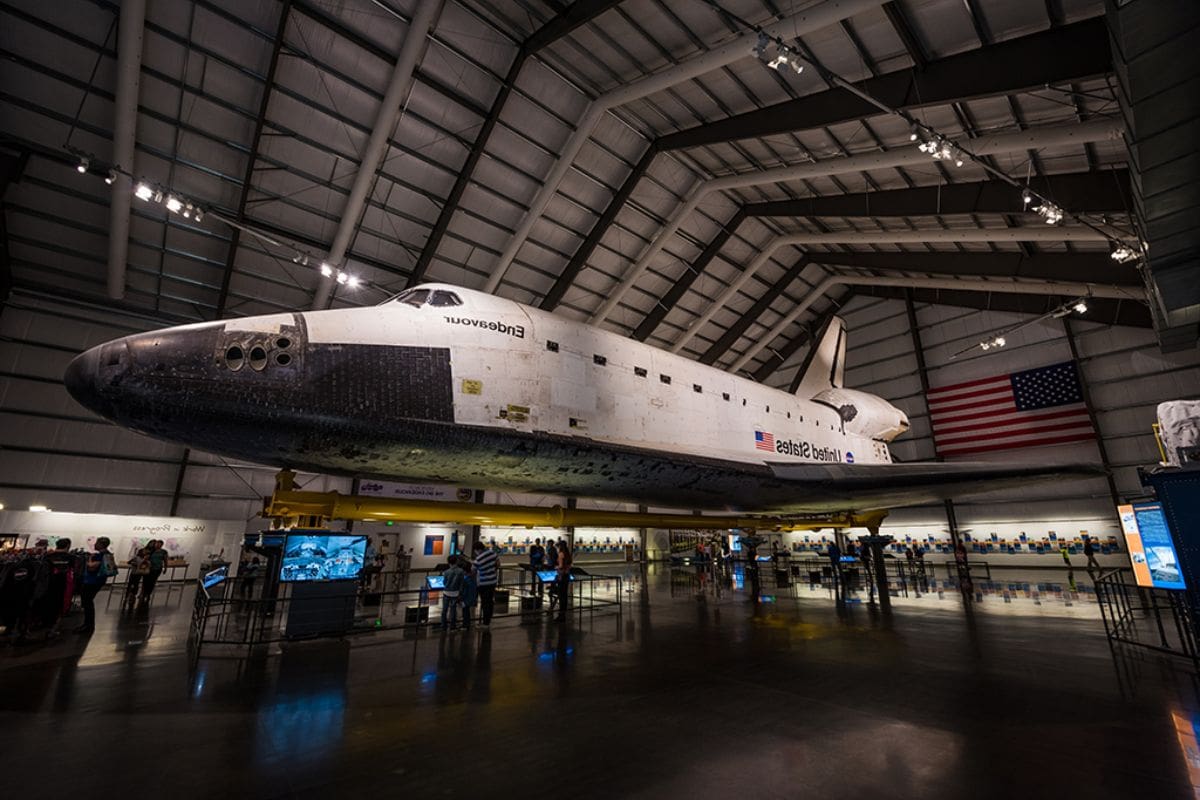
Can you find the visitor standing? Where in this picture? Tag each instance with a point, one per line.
(99, 567)
(1089, 550)
(452, 584)
(158, 562)
(487, 575)
(564, 579)
(139, 568)
(59, 587)
(537, 560)
(249, 575)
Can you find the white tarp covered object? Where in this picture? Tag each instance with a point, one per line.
(1178, 426)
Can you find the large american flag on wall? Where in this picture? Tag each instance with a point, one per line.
(1036, 407)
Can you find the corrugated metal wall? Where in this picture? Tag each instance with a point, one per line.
(1123, 368)
(56, 453)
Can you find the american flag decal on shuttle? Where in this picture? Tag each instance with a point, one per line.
(764, 441)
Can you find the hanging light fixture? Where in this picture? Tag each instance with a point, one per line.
(174, 204)
(143, 192)
(82, 166)
(1123, 254)
(1050, 213)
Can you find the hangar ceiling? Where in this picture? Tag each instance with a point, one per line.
(632, 164)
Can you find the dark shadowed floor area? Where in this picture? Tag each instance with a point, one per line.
(687, 693)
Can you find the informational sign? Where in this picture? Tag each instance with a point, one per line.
(441, 492)
(1151, 548)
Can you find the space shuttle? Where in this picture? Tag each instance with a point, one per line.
(449, 385)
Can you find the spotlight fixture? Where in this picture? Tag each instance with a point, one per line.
(1026, 197)
(199, 215)
(143, 191)
(777, 61)
(187, 210)
(1080, 307)
(1123, 254)
(352, 282)
(1050, 213)
(342, 277)
(999, 341)
(38, 508)
(174, 204)
(158, 196)
(940, 149)
(326, 270)
(83, 165)
(111, 177)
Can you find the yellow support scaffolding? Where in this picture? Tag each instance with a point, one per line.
(289, 507)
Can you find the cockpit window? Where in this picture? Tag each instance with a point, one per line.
(441, 298)
(413, 297)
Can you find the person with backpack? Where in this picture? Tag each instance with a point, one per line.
(98, 568)
(452, 586)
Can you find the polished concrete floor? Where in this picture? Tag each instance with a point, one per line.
(687, 693)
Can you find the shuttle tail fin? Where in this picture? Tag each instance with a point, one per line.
(825, 365)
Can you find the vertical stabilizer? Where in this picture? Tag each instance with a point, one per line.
(825, 365)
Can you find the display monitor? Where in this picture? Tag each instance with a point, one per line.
(1150, 545)
(549, 575)
(216, 576)
(436, 581)
(322, 557)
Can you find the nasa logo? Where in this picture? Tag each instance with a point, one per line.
(849, 458)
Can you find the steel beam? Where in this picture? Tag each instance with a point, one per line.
(1091, 192)
(252, 157)
(1072, 52)
(1091, 410)
(130, 30)
(1030, 288)
(735, 331)
(684, 281)
(1102, 310)
(1049, 136)
(814, 18)
(574, 16)
(588, 246)
(386, 118)
(1056, 266)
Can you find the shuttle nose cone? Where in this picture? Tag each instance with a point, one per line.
(82, 378)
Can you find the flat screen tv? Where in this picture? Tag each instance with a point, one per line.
(436, 581)
(549, 575)
(216, 576)
(322, 557)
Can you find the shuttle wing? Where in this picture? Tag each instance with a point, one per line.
(866, 486)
